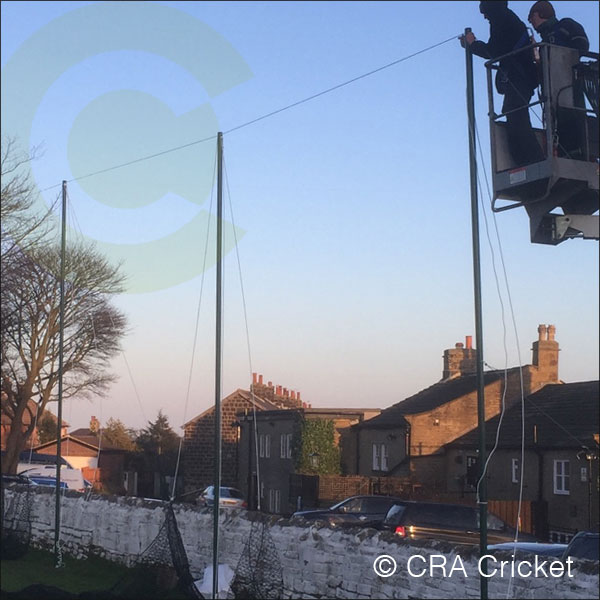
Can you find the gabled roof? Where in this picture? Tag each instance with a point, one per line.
(430, 398)
(559, 415)
(84, 437)
(258, 402)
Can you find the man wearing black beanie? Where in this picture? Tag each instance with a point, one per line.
(516, 77)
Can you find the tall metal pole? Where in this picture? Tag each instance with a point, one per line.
(61, 336)
(482, 487)
(219, 331)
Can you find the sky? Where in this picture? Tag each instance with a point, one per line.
(347, 217)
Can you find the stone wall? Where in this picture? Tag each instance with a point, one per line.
(317, 562)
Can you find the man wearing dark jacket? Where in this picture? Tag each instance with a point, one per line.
(565, 32)
(516, 77)
(569, 33)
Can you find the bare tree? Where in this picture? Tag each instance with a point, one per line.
(23, 223)
(30, 332)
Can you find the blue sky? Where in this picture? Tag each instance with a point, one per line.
(352, 209)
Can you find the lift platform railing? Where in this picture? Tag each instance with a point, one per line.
(562, 179)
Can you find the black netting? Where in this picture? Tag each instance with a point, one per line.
(258, 573)
(163, 564)
(16, 523)
(587, 75)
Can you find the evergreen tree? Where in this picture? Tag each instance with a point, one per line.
(158, 438)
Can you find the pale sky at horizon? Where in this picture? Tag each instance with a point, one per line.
(352, 210)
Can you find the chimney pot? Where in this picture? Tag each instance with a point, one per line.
(542, 332)
(270, 384)
(293, 393)
(254, 376)
(298, 395)
(304, 405)
(278, 390)
(551, 332)
(459, 344)
(260, 380)
(469, 342)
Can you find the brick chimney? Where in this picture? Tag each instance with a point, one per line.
(276, 394)
(545, 354)
(94, 425)
(460, 360)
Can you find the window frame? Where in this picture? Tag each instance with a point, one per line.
(515, 470)
(380, 457)
(383, 453)
(562, 476)
(275, 500)
(376, 460)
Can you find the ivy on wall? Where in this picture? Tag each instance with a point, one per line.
(314, 448)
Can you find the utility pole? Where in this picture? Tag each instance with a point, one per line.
(61, 338)
(481, 487)
(218, 356)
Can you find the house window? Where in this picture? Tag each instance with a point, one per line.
(472, 474)
(286, 445)
(380, 457)
(384, 457)
(561, 477)
(264, 445)
(275, 501)
(515, 475)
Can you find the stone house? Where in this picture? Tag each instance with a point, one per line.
(560, 461)
(273, 437)
(408, 438)
(198, 442)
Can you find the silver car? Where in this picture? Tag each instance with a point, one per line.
(228, 497)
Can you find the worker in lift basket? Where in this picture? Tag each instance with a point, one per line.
(516, 78)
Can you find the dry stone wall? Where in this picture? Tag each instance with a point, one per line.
(317, 562)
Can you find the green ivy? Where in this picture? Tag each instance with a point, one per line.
(316, 437)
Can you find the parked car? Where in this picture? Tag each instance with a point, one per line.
(6, 479)
(584, 544)
(228, 497)
(539, 548)
(457, 523)
(73, 478)
(50, 481)
(363, 511)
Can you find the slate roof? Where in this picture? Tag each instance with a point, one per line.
(259, 403)
(85, 437)
(436, 395)
(557, 416)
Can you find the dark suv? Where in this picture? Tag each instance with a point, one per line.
(586, 545)
(451, 522)
(363, 511)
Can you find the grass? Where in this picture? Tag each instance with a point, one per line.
(76, 576)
